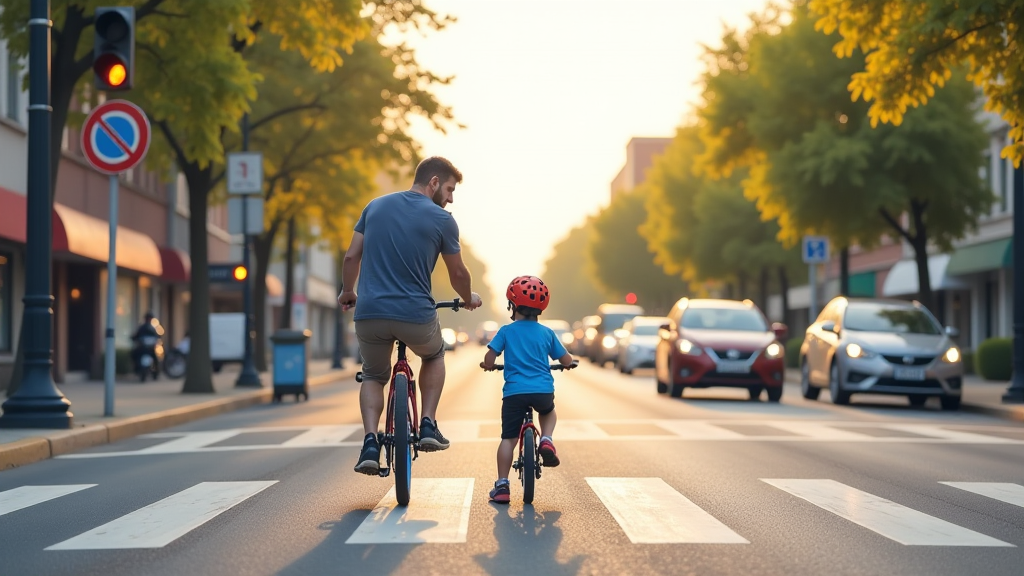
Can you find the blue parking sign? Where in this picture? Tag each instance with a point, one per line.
(815, 249)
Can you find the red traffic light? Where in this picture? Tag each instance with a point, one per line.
(631, 298)
(111, 69)
(239, 273)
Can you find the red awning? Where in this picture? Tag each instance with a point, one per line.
(177, 265)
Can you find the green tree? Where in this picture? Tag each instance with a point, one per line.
(914, 47)
(574, 294)
(442, 288)
(816, 165)
(621, 261)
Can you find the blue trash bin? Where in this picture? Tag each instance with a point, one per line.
(291, 363)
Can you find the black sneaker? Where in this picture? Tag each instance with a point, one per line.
(500, 494)
(369, 457)
(431, 439)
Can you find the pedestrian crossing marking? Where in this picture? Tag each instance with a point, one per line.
(26, 496)
(163, 522)
(1002, 491)
(885, 517)
(650, 511)
(485, 431)
(438, 512)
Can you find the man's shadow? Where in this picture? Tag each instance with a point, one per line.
(528, 544)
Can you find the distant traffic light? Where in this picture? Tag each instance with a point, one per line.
(631, 298)
(114, 48)
(239, 273)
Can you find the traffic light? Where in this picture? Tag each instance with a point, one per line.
(631, 298)
(113, 49)
(239, 273)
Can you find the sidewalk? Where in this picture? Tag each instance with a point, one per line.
(141, 409)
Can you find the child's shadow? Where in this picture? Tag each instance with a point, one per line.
(528, 544)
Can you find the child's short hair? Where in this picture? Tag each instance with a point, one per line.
(529, 311)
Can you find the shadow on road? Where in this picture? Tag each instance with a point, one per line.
(528, 544)
(333, 556)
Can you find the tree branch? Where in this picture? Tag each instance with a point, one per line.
(314, 105)
(239, 45)
(954, 40)
(895, 224)
(82, 65)
(148, 8)
(179, 152)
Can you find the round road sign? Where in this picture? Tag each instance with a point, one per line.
(115, 136)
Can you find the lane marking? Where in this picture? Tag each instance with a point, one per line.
(190, 443)
(26, 496)
(885, 517)
(950, 435)
(163, 522)
(438, 513)
(323, 436)
(1002, 491)
(650, 511)
(819, 431)
(696, 430)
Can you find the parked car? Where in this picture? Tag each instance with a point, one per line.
(450, 337)
(708, 342)
(880, 346)
(589, 333)
(603, 347)
(486, 331)
(636, 349)
(563, 330)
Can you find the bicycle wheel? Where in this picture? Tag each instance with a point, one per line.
(529, 465)
(403, 451)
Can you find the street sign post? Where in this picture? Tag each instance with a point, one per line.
(815, 251)
(245, 178)
(115, 138)
(245, 172)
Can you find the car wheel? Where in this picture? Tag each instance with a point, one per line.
(755, 392)
(677, 390)
(662, 387)
(628, 372)
(808, 390)
(774, 393)
(950, 402)
(917, 400)
(835, 387)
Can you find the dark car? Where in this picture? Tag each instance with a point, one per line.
(604, 345)
(711, 342)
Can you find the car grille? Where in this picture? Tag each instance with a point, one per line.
(724, 354)
(750, 377)
(894, 383)
(918, 360)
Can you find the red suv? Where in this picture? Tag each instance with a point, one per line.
(720, 343)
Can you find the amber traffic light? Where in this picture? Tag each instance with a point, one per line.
(114, 48)
(239, 273)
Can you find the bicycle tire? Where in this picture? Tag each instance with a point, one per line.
(403, 450)
(529, 465)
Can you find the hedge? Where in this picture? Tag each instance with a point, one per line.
(993, 359)
(793, 351)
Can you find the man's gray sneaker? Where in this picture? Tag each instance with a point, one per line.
(369, 457)
(431, 439)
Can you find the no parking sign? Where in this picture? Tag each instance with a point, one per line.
(115, 136)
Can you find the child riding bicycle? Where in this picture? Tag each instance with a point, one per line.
(527, 346)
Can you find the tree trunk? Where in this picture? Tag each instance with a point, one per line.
(844, 271)
(262, 246)
(199, 373)
(920, 244)
(289, 275)
(784, 292)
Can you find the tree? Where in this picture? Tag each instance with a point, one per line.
(818, 166)
(442, 289)
(621, 262)
(574, 294)
(913, 47)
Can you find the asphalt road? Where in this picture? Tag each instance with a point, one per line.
(710, 484)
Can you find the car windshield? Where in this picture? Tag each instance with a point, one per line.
(612, 322)
(645, 330)
(888, 318)
(724, 319)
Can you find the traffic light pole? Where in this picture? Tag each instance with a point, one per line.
(248, 377)
(1015, 393)
(38, 403)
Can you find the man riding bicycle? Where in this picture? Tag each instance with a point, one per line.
(393, 252)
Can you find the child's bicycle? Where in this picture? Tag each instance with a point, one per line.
(401, 427)
(529, 462)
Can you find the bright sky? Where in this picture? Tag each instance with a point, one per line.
(550, 93)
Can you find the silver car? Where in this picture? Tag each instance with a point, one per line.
(880, 347)
(637, 346)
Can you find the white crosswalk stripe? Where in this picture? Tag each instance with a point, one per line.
(26, 496)
(1002, 491)
(438, 512)
(163, 522)
(894, 521)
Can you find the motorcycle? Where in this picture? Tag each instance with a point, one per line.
(150, 356)
(176, 360)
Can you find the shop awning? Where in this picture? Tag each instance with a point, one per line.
(176, 263)
(862, 285)
(981, 257)
(86, 236)
(902, 279)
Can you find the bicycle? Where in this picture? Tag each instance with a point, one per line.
(529, 463)
(402, 420)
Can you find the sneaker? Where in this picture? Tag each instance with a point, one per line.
(369, 457)
(548, 454)
(500, 493)
(431, 439)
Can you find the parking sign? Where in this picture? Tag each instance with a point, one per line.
(245, 173)
(815, 249)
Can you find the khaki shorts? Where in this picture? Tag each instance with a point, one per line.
(377, 343)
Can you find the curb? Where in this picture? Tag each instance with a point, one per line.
(36, 448)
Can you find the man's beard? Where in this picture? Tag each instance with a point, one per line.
(438, 198)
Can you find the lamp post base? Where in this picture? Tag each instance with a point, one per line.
(38, 412)
(248, 377)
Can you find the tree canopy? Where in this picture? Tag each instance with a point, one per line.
(574, 294)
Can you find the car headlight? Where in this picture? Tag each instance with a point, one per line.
(609, 342)
(854, 350)
(952, 355)
(687, 347)
(774, 351)
(567, 338)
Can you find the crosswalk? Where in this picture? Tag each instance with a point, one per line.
(646, 511)
(639, 430)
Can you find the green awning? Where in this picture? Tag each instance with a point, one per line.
(862, 285)
(981, 257)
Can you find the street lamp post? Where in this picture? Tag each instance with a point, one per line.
(1015, 393)
(38, 403)
(248, 377)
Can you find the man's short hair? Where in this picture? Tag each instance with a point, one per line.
(436, 166)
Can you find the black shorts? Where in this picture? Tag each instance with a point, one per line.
(513, 409)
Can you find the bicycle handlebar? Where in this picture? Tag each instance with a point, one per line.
(575, 363)
(455, 304)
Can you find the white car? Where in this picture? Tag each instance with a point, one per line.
(637, 346)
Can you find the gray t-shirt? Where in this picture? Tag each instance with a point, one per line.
(403, 234)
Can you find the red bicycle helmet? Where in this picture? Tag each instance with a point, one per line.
(528, 291)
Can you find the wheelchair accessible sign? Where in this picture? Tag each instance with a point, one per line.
(115, 136)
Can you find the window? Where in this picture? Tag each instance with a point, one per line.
(5, 302)
(13, 86)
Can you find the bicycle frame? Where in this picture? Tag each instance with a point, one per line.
(387, 440)
(520, 462)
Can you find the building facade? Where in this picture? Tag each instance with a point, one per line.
(640, 155)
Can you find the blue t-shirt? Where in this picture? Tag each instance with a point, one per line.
(403, 234)
(527, 346)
